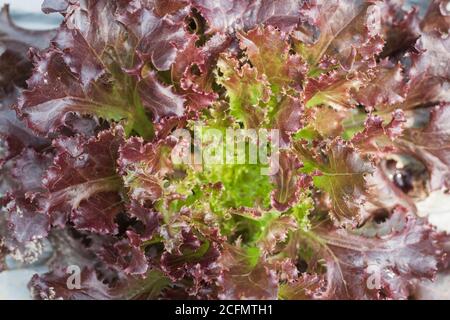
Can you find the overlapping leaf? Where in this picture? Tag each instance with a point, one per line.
(342, 174)
(243, 268)
(357, 89)
(230, 16)
(82, 184)
(144, 167)
(245, 89)
(430, 144)
(97, 60)
(380, 261)
(289, 183)
(343, 27)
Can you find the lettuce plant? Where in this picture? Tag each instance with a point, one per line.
(358, 91)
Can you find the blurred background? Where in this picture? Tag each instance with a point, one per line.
(13, 283)
(28, 14)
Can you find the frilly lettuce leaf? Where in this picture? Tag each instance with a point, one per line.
(243, 267)
(357, 89)
(98, 74)
(378, 260)
(229, 16)
(341, 172)
(82, 183)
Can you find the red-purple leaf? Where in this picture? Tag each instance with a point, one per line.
(228, 16)
(387, 89)
(429, 142)
(125, 255)
(83, 183)
(344, 26)
(246, 275)
(289, 183)
(268, 51)
(149, 219)
(342, 174)
(377, 137)
(53, 286)
(381, 261)
(437, 18)
(144, 167)
(99, 75)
